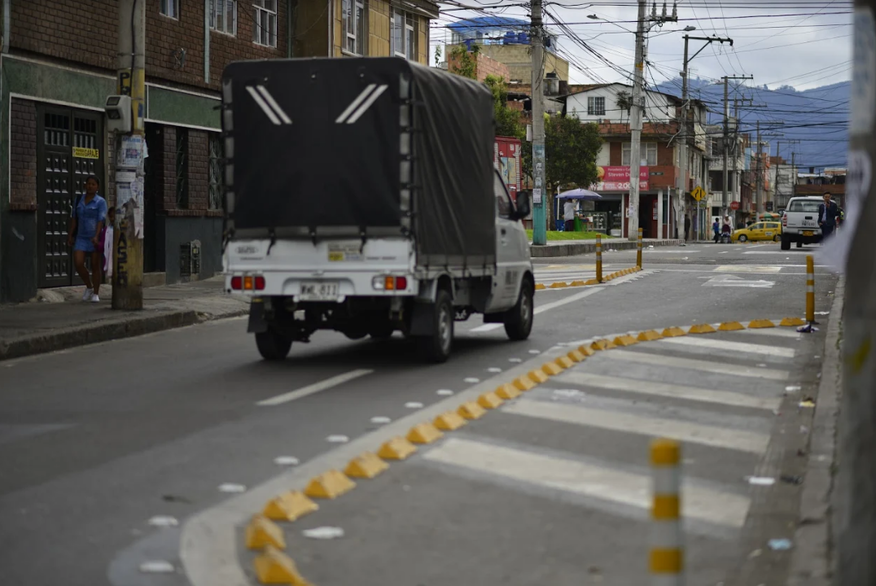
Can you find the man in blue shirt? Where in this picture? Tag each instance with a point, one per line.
(86, 224)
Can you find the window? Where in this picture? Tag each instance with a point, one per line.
(182, 168)
(264, 18)
(647, 151)
(503, 200)
(223, 16)
(170, 8)
(804, 205)
(404, 40)
(354, 32)
(215, 169)
(596, 106)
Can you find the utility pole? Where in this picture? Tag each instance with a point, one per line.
(794, 173)
(128, 232)
(725, 204)
(644, 24)
(758, 180)
(779, 197)
(540, 190)
(682, 147)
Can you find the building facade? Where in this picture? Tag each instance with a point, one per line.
(57, 66)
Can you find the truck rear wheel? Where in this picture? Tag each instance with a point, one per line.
(436, 346)
(273, 346)
(518, 325)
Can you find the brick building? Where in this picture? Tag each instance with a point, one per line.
(57, 65)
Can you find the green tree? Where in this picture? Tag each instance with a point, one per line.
(463, 63)
(507, 120)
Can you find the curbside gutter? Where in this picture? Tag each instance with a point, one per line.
(576, 248)
(811, 562)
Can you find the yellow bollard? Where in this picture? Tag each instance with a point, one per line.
(666, 559)
(599, 258)
(810, 289)
(639, 249)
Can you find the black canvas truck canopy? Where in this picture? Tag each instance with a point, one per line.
(361, 148)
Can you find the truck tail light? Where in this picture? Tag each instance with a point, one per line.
(248, 283)
(785, 221)
(237, 283)
(401, 283)
(259, 283)
(390, 283)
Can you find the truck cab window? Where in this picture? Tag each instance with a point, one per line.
(503, 200)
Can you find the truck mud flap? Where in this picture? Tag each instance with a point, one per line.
(422, 319)
(257, 323)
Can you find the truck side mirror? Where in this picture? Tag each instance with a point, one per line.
(524, 207)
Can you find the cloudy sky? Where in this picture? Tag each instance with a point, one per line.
(802, 43)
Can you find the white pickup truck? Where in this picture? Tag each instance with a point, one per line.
(361, 197)
(800, 222)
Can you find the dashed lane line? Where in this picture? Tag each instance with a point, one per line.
(314, 388)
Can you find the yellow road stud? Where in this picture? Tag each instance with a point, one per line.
(603, 344)
(577, 283)
(792, 321)
(649, 336)
(564, 362)
(539, 286)
(537, 376)
(449, 421)
(471, 410)
(592, 282)
(558, 285)
(368, 465)
(524, 383)
(489, 400)
(701, 329)
(424, 433)
(761, 323)
(275, 567)
(586, 350)
(625, 340)
(673, 332)
(730, 326)
(508, 392)
(576, 356)
(289, 506)
(262, 532)
(398, 448)
(329, 485)
(551, 368)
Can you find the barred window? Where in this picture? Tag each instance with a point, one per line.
(216, 188)
(182, 168)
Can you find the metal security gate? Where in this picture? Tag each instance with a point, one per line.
(69, 149)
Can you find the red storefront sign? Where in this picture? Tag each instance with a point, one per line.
(618, 179)
(506, 157)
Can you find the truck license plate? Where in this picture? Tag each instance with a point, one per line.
(807, 233)
(319, 290)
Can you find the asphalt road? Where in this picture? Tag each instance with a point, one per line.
(96, 441)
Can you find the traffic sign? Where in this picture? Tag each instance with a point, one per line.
(698, 193)
(734, 205)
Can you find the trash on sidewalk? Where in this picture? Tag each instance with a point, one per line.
(755, 553)
(231, 487)
(804, 430)
(808, 403)
(760, 480)
(807, 329)
(779, 544)
(793, 388)
(788, 479)
(323, 533)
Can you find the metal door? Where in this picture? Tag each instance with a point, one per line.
(68, 150)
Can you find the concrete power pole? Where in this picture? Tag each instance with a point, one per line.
(540, 189)
(758, 194)
(128, 233)
(855, 494)
(725, 204)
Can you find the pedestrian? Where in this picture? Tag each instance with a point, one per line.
(716, 229)
(687, 228)
(106, 242)
(86, 223)
(828, 212)
(569, 215)
(726, 230)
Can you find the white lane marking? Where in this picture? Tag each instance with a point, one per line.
(761, 269)
(232, 488)
(734, 281)
(286, 461)
(701, 365)
(567, 300)
(590, 480)
(337, 439)
(697, 433)
(658, 389)
(729, 347)
(157, 567)
(444, 392)
(414, 405)
(380, 420)
(314, 388)
(772, 332)
(486, 328)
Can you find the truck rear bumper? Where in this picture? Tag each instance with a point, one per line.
(321, 286)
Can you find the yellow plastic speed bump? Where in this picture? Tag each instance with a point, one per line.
(368, 465)
(577, 283)
(424, 433)
(603, 344)
(539, 286)
(761, 323)
(559, 285)
(551, 368)
(592, 282)
(289, 506)
(576, 356)
(471, 410)
(524, 383)
(625, 340)
(490, 400)
(329, 485)
(792, 321)
(586, 350)
(730, 326)
(649, 336)
(449, 421)
(275, 567)
(701, 329)
(564, 362)
(508, 392)
(673, 332)
(262, 532)
(537, 376)
(398, 448)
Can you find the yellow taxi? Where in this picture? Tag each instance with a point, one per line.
(758, 231)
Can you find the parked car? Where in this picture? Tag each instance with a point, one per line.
(758, 231)
(800, 222)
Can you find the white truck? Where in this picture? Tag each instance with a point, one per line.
(361, 197)
(800, 222)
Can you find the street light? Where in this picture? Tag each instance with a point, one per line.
(689, 28)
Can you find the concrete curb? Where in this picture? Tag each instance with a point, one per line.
(811, 558)
(128, 327)
(576, 248)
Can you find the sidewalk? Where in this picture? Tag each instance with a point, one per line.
(576, 247)
(64, 321)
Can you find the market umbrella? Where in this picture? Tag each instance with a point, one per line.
(579, 194)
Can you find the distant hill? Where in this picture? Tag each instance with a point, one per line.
(816, 117)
